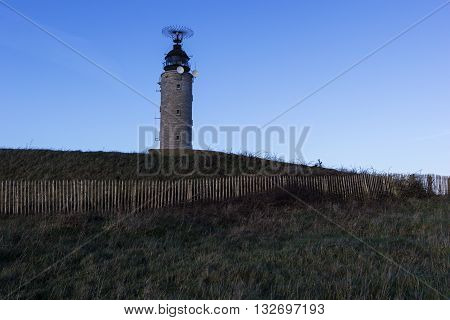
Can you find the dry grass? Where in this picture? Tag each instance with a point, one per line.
(270, 247)
(28, 164)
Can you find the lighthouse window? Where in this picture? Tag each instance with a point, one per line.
(178, 86)
(177, 138)
(178, 112)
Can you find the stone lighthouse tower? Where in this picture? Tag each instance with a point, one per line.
(176, 93)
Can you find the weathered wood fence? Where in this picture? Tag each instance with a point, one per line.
(121, 196)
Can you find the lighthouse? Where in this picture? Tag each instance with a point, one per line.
(176, 93)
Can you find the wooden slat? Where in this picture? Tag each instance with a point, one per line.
(2, 197)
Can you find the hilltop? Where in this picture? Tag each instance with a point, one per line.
(36, 164)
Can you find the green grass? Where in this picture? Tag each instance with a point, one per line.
(267, 247)
(18, 164)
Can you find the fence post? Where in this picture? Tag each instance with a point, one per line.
(151, 194)
(429, 184)
(166, 193)
(25, 197)
(160, 192)
(124, 196)
(67, 198)
(109, 198)
(155, 193)
(7, 202)
(171, 186)
(81, 196)
(102, 195)
(142, 197)
(116, 189)
(43, 195)
(19, 196)
(115, 201)
(15, 196)
(143, 189)
(2, 193)
(6, 197)
(189, 187)
(448, 186)
(148, 194)
(163, 193)
(128, 196)
(134, 194)
(86, 195)
(61, 196)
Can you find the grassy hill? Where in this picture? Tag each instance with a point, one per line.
(49, 164)
(268, 247)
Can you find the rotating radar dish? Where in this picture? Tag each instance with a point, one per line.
(177, 33)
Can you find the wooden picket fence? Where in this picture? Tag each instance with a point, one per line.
(123, 196)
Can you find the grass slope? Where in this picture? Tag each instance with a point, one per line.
(255, 248)
(48, 164)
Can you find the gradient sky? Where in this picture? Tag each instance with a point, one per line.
(255, 58)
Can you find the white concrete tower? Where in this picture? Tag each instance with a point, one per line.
(176, 94)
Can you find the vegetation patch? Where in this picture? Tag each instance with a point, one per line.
(266, 247)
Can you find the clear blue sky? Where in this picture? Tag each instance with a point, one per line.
(256, 59)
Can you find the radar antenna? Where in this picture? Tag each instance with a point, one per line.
(177, 33)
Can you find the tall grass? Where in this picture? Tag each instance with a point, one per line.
(269, 247)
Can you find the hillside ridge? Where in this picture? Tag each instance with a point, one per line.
(37, 164)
